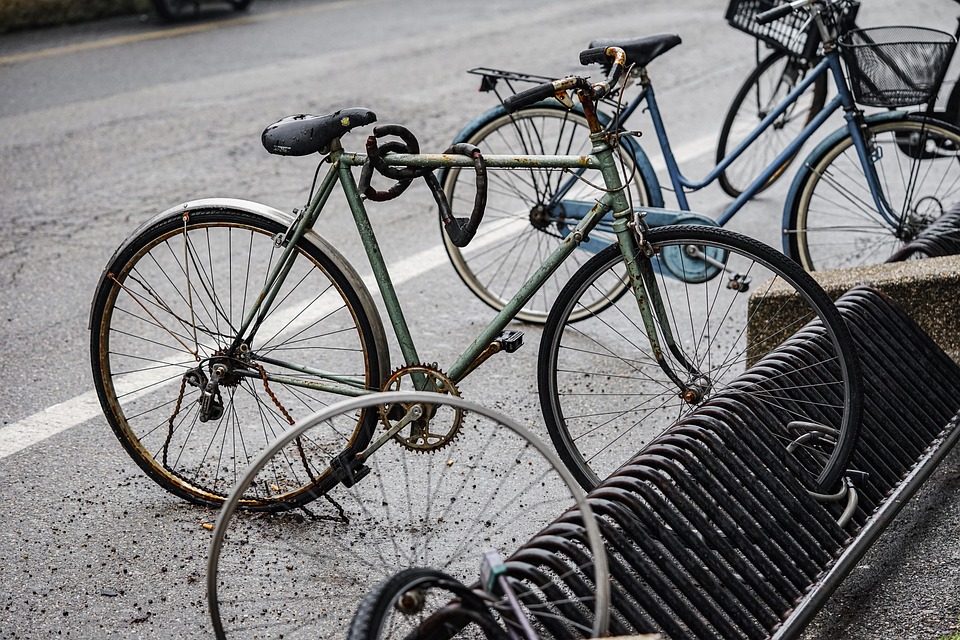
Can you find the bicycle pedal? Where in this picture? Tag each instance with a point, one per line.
(510, 340)
(348, 469)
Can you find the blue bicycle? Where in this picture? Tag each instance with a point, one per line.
(867, 188)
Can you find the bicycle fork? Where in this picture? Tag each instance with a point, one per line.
(638, 254)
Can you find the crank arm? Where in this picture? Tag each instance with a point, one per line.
(349, 469)
(414, 413)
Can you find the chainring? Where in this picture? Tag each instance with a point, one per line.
(437, 425)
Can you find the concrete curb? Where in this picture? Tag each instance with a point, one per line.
(928, 290)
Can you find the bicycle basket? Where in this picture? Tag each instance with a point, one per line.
(896, 66)
(795, 34)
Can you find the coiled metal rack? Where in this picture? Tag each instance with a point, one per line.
(940, 238)
(710, 533)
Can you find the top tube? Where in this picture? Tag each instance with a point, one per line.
(438, 160)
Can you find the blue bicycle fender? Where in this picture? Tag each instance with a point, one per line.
(813, 157)
(640, 157)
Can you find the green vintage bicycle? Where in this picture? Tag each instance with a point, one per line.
(221, 322)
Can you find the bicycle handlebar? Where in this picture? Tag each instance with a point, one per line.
(768, 16)
(529, 96)
(597, 55)
(546, 90)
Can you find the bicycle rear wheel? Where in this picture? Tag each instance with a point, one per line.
(164, 318)
(491, 486)
(834, 221)
(766, 86)
(604, 396)
(529, 212)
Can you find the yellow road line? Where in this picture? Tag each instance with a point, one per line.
(164, 33)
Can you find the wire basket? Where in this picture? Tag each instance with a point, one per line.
(796, 34)
(896, 66)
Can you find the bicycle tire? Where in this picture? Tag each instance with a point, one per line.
(833, 221)
(493, 486)
(383, 613)
(521, 227)
(769, 83)
(604, 397)
(162, 317)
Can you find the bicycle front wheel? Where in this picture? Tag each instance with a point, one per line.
(491, 486)
(774, 78)
(529, 212)
(728, 301)
(834, 221)
(164, 321)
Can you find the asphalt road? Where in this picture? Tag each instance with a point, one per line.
(104, 125)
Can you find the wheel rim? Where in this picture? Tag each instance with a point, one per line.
(771, 86)
(425, 601)
(837, 222)
(606, 398)
(160, 340)
(492, 488)
(521, 226)
(170, 9)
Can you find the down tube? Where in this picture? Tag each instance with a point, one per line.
(579, 234)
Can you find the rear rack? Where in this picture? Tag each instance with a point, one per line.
(490, 78)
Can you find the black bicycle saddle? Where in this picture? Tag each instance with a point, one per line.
(302, 134)
(642, 51)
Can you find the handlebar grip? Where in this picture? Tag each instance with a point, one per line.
(528, 97)
(768, 16)
(597, 55)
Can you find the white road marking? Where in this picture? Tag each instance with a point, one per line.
(47, 423)
(60, 417)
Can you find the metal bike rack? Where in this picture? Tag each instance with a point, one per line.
(710, 533)
(940, 238)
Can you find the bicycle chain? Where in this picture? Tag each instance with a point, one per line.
(290, 420)
(286, 414)
(176, 410)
